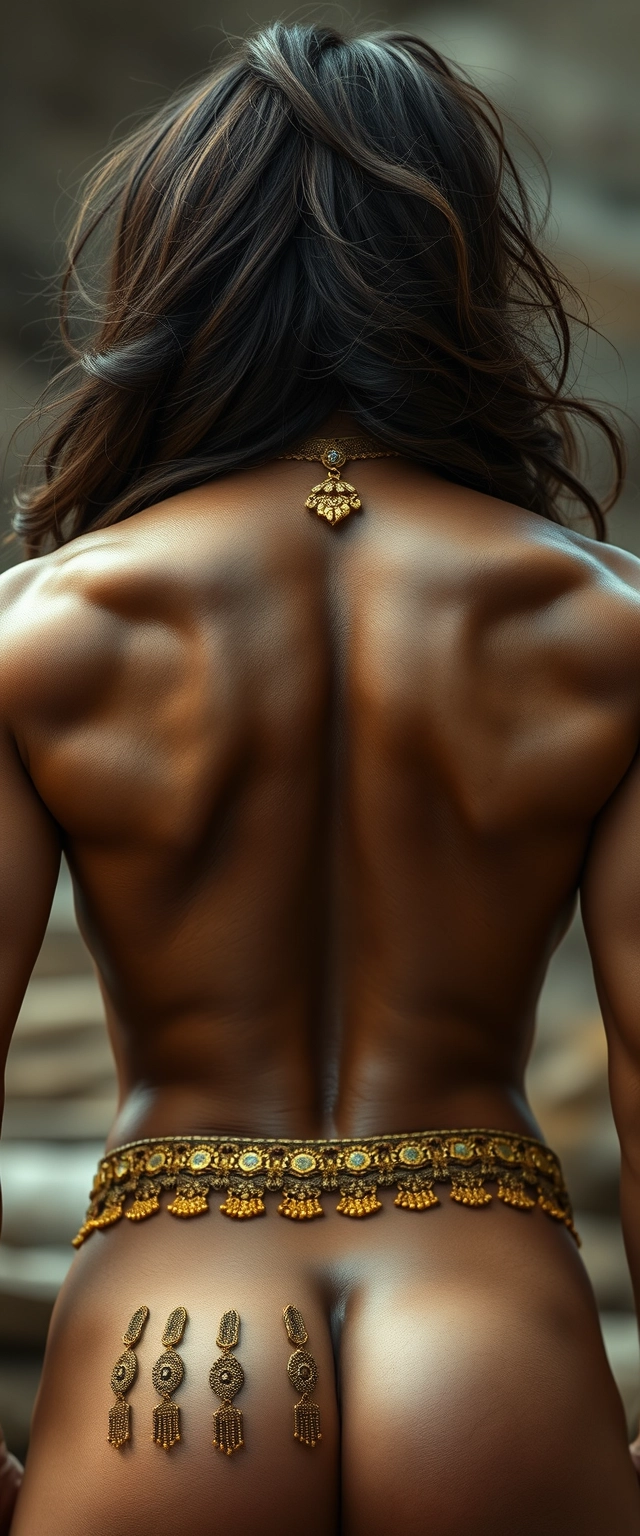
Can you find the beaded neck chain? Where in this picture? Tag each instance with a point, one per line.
(334, 498)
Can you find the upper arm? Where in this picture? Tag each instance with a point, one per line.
(611, 911)
(29, 864)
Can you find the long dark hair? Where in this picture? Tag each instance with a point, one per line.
(320, 223)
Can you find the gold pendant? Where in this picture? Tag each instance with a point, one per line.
(334, 498)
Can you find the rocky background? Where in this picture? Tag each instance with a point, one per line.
(72, 74)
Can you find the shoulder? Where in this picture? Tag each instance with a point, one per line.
(559, 564)
(72, 620)
(526, 557)
(64, 621)
(543, 590)
(574, 602)
(98, 577)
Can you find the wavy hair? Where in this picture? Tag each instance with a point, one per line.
(320, 223)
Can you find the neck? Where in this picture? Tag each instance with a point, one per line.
(340, 424)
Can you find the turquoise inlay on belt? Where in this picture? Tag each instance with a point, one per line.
(131, 1179)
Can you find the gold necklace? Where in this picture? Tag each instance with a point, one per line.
(335, 498)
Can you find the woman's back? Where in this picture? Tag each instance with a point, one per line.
(327, 796)
(326, 800)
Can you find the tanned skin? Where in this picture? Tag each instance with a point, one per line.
(328, 798)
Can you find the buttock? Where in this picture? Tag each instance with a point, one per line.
(461, 1382)
(478, 1404)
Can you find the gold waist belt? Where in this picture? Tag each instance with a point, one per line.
(130, 1180)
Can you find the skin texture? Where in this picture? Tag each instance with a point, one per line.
(327, 798)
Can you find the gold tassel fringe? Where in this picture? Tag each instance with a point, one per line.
(470, 1194)
(81, 1237)
(242, 1206)
(228, 1429)
(516, 1195)
(119, 1423)
(552, 1208)
(358, 1205)
(416, 1199)
(143, 1208)
(107, 1218)
(306, 1423)
(300, 1209)
(188, 1205)
(166, 1425)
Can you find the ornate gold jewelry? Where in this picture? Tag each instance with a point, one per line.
(226, 1377)
(166, 1375)
(335, 498)
(526, 1174)
(303, 1375)
(123, 1376)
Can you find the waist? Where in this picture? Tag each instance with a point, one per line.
(131, 1179)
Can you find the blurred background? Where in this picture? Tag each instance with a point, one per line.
(72, 75)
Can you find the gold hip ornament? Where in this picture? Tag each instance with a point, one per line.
(334, 498)
(167, 1375)
(123, 1376)
(303, 1375)
(226, 1377)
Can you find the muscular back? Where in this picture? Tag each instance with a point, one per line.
(326, 796)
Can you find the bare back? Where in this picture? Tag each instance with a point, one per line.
(326, 797)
